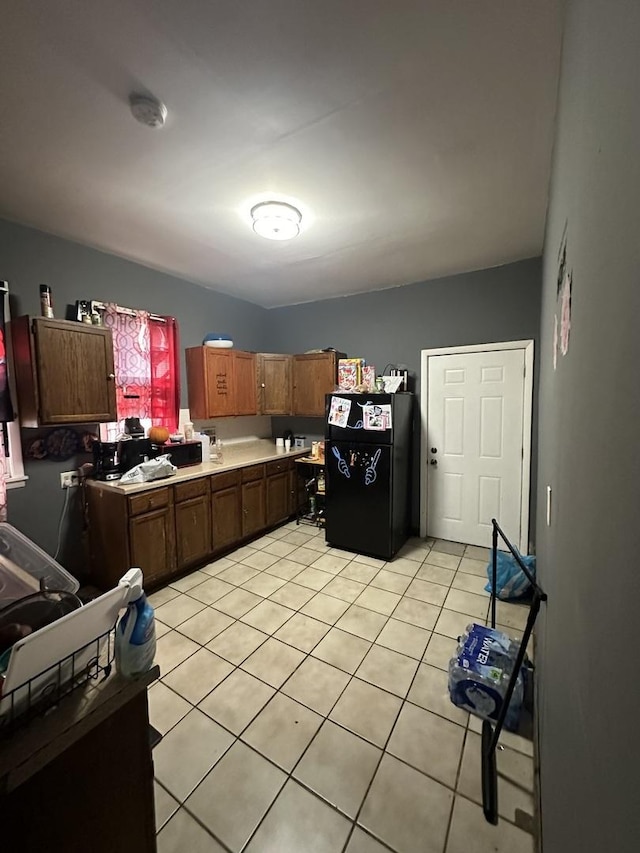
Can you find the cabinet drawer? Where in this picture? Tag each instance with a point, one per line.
(253, 472)
(153, 499)
(192, 489)
(278, 466)
(225, 480)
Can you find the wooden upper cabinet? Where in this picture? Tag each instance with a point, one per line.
(274, 383)
(244, 381)
(220, 382)
(64, 372)
(314, 375)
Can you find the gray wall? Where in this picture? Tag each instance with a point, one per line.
(28, 258)
(589, 701)
(393, 326)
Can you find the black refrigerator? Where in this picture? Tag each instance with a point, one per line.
(368, 472)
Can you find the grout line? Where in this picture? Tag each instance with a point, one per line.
(325, 717)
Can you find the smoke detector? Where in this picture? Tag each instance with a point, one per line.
(148, 110)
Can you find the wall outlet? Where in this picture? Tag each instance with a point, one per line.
(68, 479)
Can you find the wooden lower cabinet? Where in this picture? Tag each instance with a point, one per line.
(193, 531)
(152, 544)
(169, 529)
(253, 507)
(226, 522)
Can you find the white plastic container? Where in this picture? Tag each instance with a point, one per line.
(24, 566)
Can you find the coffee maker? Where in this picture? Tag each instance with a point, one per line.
(105, 460)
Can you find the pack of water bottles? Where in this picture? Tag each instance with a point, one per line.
(480, 672)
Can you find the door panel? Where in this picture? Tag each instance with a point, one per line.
(226, 517)
(475, 444)
(245, 383)
(253, 507)
(275, 383)
(278, 498)
(75, 369)
(358, 496)
(152, 542)
(193, 530)
(219, 383)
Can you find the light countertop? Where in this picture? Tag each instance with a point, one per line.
(234, 455)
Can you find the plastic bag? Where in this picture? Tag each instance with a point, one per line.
(511, 581)
(154, 469)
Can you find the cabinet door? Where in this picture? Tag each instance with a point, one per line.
(219, 383)
(314, 375)
(253, 509)
(274, 380)
(244, 383)
(278, 498)
(75, 375)
(193, 530)
(297, 493)
(152, 544)
(226, 523)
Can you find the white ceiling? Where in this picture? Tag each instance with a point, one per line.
(415, 134)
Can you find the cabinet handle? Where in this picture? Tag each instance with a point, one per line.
(111, 376)
(263, 385)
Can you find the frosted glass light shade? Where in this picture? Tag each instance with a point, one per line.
(276, 220)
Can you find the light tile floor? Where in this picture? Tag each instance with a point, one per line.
(304, 704)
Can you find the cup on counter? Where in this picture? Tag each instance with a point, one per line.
(287, 445)
(280, 445)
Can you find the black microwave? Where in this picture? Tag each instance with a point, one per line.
(181, 455)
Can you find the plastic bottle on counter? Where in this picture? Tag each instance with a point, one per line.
(135, 645)
(206, 445)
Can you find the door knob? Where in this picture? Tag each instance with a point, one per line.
(433, 462)
(111, 376)
(434, 449)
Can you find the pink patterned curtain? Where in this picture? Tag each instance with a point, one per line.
(131, 347)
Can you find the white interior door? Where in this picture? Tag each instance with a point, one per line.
(475, 445)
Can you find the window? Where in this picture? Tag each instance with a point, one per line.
(146, 356)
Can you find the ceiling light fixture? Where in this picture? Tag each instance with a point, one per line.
(148, 110)
(276, 220)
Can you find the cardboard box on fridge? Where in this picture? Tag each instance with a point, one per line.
(349, 373)
(369, 377)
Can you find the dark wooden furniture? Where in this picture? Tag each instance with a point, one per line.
(170, 528)
(314, 376)
(220, 382)
(279, 484)
(226, 510)
(125, 531)
(274, 383)
(232, 382)
(253, 503)
(81, 778)
(64, 372)
(193, 522)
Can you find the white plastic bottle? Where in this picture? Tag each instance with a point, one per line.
(135, 645)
